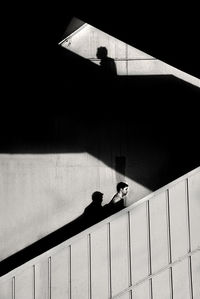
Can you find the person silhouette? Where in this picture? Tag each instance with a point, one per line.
(119, 197)
(117, 203)
(107, 64)
(93, 213)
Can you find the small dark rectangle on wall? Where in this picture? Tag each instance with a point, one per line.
(120, 164)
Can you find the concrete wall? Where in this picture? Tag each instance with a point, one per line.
(129, 60)
(40, 193)
(154, 245)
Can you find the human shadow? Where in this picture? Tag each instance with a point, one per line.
(107, 64)
(92, 214)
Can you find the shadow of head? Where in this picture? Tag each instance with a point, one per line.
(97, 197)
(102, 52)
(107, 64)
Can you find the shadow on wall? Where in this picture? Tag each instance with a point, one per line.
(72, 107)
(137, 125)
(107, 64)
(92, 214)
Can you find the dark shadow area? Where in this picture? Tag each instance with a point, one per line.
(151, 121)
(92, 214)
(149, 28)
(54, 101)
(72, 25)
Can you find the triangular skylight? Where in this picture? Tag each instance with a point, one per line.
(84, 39)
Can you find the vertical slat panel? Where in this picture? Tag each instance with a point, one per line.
(109, 260)
(138, 232)
(169, 243)
(189, 237)
(126, 295)
(158, 232)
(194, 204)
(119, 254)
(196, 275)
(60, 279)
(178, 220)
(24, 284)
(99, 264)
(142, 291)
(129, 253)
(42, 279)
(80, 269)
(149, 249)
(6, 289)
(161, 285)
(181, 285)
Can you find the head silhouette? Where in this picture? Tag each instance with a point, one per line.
(122, 189)
(102, 52)
(121, 185)
(97, 197)
(107, 64)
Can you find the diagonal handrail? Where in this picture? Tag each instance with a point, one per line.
(93, 228)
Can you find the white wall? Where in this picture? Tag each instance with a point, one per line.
(41, 193)
(129, 60)
(146, 248)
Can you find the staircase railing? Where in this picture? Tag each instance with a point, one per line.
(150, 249)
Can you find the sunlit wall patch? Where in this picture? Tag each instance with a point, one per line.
(84, 40)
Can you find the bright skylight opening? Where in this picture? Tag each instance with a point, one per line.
(84, 39)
